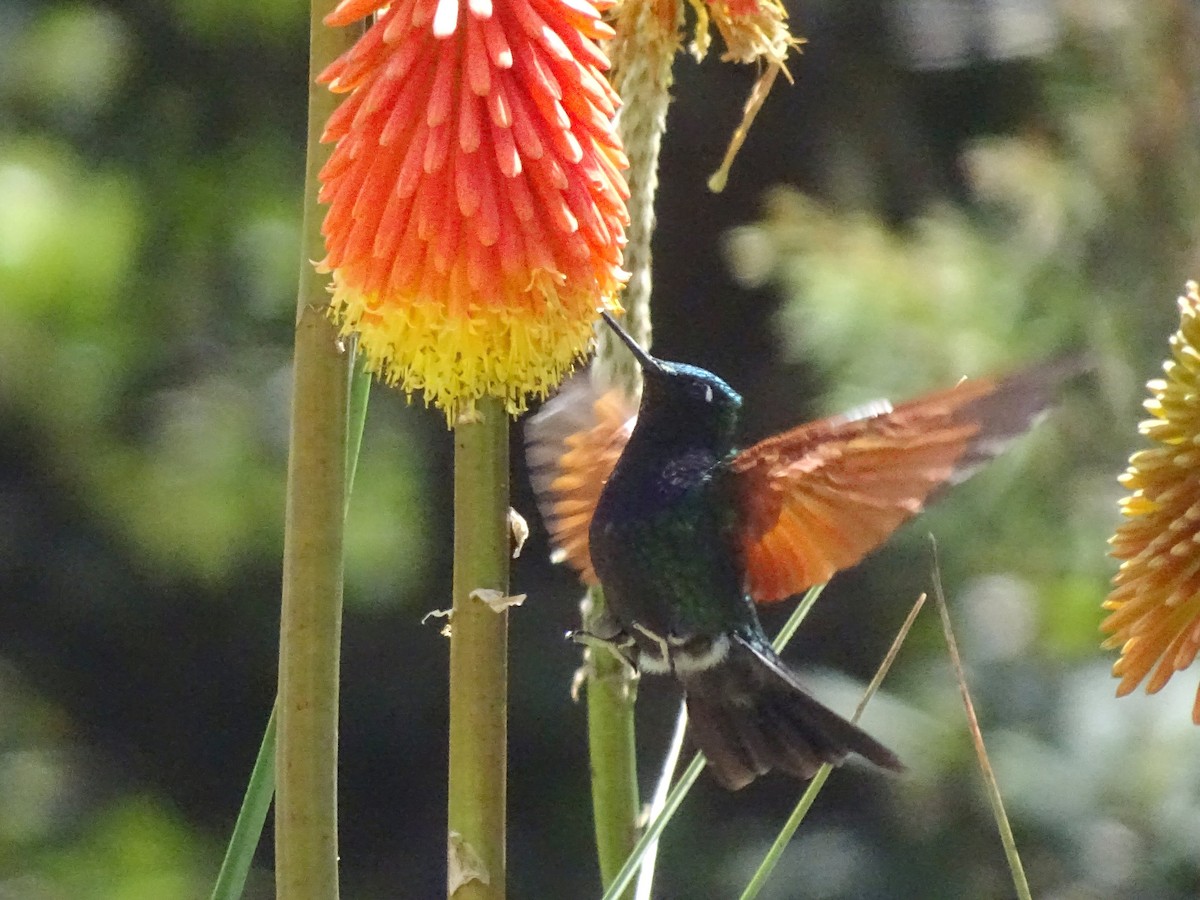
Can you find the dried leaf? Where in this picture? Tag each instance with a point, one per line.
(439, 614)
(518, 529)
(463, 865)
(496, 600)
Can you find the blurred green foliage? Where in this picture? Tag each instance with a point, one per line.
(1078, 233)
(149, 204)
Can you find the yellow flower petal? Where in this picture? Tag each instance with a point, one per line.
(1155, 601)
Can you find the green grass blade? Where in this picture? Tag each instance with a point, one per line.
(260, 789)
(247, 830)
(804, 804)
(356, 419)
(799, 614)
(645, 883)
(675, 798)
(1020, 882)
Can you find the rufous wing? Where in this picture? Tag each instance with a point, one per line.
(818, 498)
(572, 445)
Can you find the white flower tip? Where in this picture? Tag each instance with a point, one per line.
(445, 18)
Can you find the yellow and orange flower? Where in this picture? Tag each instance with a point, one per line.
(476, 203)
(1155, 601)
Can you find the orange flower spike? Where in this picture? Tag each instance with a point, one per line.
(1155, 601)
(476, 205)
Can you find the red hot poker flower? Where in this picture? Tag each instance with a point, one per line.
(476, 204)
(1155, 602)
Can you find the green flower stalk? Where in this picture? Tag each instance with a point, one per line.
(643, 54)
(479, 658)
(260, 789)
(476, 224)
(306, 851)
(649, 37)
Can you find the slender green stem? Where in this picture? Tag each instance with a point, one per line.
(356, 420)
(655, 829)
(306, 854)
(645, 882)
(260, 789)
(1017, 870)
(642, 54)
(799, 614)
(247, 830)
(479, 659)
(767, 866)
(804, 804)
(658, 806)
(612, 747)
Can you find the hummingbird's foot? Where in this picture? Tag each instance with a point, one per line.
(665, 661)
(622, 647)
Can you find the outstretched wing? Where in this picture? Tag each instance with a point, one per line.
(818, 498)
(572, 445)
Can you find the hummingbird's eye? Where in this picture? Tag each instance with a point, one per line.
(708, 393)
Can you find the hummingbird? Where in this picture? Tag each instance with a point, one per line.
(686, 534)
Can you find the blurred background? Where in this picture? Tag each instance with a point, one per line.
(951, 187)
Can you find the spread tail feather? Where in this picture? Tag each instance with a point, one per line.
(749, 715)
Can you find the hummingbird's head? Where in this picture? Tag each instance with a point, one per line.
(689, 401)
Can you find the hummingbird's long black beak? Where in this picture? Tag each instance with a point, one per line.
(647, 362)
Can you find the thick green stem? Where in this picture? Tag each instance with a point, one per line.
(310, 634)
(479, 659)
(613, 751)
(306, 861)
(260, 789)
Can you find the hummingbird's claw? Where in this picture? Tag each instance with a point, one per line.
(621, 645)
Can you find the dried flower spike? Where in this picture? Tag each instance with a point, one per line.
(476, 204)
(1155, 600)
(754, 31)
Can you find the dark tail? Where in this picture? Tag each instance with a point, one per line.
(750, 715)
